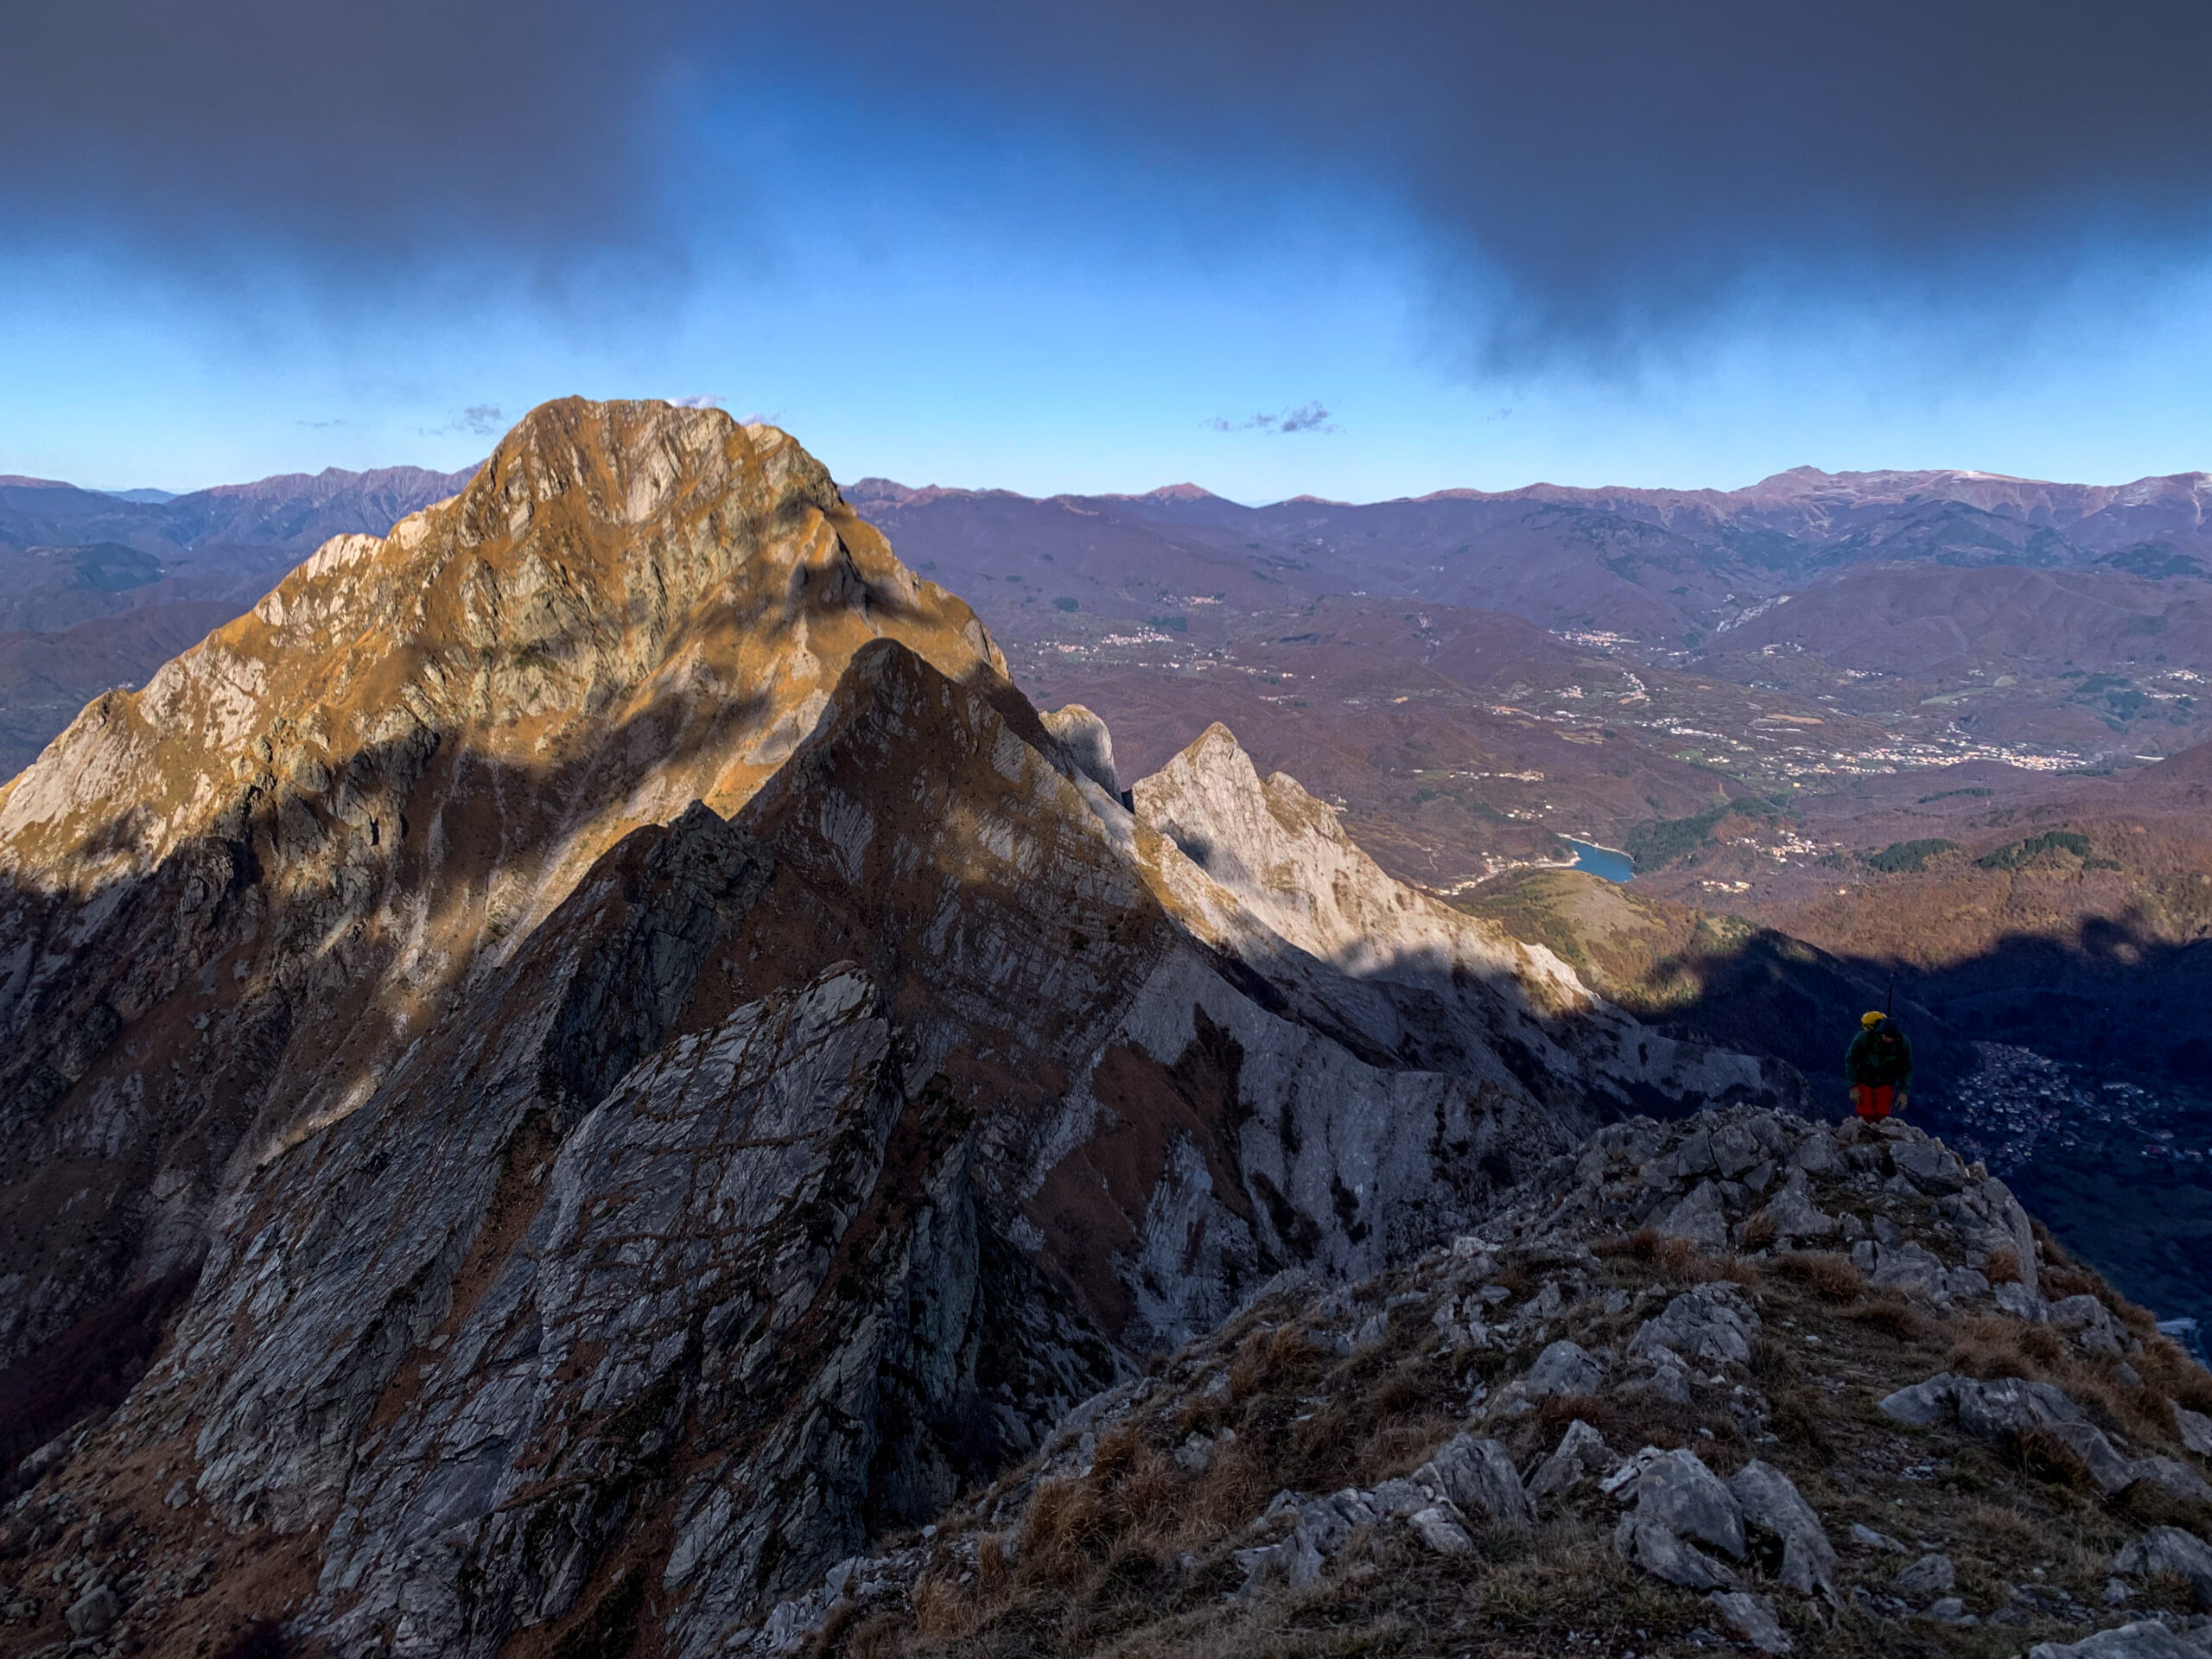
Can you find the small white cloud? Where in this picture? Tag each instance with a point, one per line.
(478, 420)
(698, 400)
(1306, 417)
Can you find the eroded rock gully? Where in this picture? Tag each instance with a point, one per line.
(649, 1069)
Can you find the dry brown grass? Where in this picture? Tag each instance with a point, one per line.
(1892, 1315)
(1983, 1345)
(2003, 1267)
(1774, 1361)
(1554, 1417)
(1568, 1570)
(1116, 1452)
(1760, 1232)
(939, 1608)
(1831, 1277)
(1265, 1356)
(994, 1567)
(2139, 1414)
(1230, 1491)
(1401, 1447)
(877, 1637)
(1800, 1417)
(2173, 1373)
(1407, 1390)
(1146, 1496)
(1679, 1261)
(1064, 1524)
(1626, 1423)
(2006, 1525)
(2041, 1455)
(2174, 1589)
(1740, 1270)
(2141, 1322)
(2146, 1504)
(2060, 1281)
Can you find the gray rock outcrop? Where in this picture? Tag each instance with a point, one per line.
(2170, 1549)
(1679, 1503)
(2145, 1639)
(1771, 1504)
(1925, 1576)
(1581, 1455)
(1712, 1325)
(1478, 1476)
(1753, 1618)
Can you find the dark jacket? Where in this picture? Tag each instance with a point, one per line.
(1880, 1054)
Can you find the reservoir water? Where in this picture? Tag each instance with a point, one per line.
(1601, 860)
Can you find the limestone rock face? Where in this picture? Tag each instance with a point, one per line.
(1264, 872)
(666, 1067)
(1088, 743)
(228, 899)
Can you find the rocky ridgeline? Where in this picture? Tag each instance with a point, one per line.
(1740, 1380)
(231, 900)
(594, 1057)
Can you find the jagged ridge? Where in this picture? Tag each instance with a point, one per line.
(722, 1075)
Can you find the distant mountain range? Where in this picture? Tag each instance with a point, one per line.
(1668, 567)
(1920, 586)
(293, 512)
(98, 589)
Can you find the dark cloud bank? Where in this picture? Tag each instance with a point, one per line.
(1615, 164)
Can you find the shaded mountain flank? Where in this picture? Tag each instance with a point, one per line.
(2055, 1047)
(589, 1057)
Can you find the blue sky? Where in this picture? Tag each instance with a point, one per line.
(1053, 266)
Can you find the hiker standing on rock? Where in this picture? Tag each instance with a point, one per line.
(1878, 1066)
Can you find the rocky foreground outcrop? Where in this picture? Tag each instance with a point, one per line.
(600, 1059)
(1880, 1413)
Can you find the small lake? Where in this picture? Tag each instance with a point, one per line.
(1601, 860)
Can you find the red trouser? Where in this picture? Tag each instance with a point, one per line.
(1874, 1098)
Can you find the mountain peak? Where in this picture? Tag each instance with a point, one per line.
(875, 492)
(657, 585)
(1165, 492)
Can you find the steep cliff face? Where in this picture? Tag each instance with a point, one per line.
(666, 1066)
(1265, 872)
(250, 885)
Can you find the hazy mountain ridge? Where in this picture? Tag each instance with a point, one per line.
(1794, 525)
(293, 511)
(221, 547)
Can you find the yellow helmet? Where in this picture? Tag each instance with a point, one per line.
(1872, 1017)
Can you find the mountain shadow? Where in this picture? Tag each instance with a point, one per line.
(2078, 1071)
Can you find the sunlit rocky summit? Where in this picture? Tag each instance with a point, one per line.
(593, 1063)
